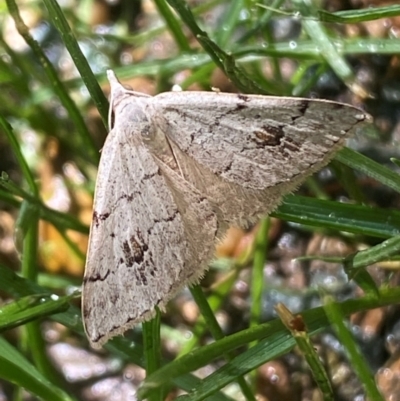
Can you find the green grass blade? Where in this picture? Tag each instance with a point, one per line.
(360, 15)
(55, 82)
(18, 370)
(217, 333)
(61, 23)
(375, 254)
(357, 219)
(26, 171)
(173, 25)
(152, 351)
(318, 34)
(257, 277)
(297, 328)
(230, 22)
(369, 167)
(357, 361)
(223, 60)
(30, 308)
(61, 220)
(273, 342)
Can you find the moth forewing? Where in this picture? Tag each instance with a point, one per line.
(254, 141)
(176, 170)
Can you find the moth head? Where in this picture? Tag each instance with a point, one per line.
(116, 95)
(119, 95)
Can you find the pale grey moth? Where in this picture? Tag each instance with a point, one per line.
(176, 170)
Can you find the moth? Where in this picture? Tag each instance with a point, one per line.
(176, 171)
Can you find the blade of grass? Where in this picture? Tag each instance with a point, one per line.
(357, 361)
(217, 333)
(273, 342)
(257, 277)
(215, 300)
(173, 25)
(356, 219)
(359, 15)
(18, 370)
(58, 87)
(61, 23)
(303, 82)
(375, 254)
(360, 276)
(15, 146)
(308, 50)
(33, 340)
(220, 58)
(318, 34)
(230, 22)
(348, 180)
(55, 217)
(152, 350)
(369, 167)
(297, 328)
(262, 22)
(365, 281)
(31, 308)
(276, 344)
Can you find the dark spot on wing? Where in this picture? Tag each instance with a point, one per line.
(267, 136)
(98, 217)
(240, 106)
(243, 97)
(133, 250)
(291, 145)
(303, 106)
(96, 277)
